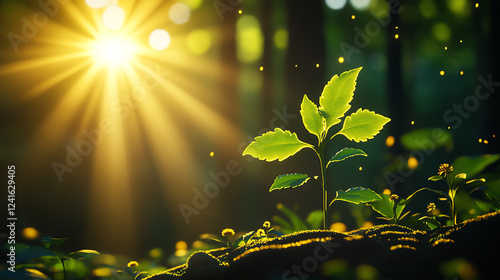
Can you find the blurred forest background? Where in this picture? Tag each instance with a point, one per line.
(232, 71)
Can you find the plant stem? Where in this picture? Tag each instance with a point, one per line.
(321, 154)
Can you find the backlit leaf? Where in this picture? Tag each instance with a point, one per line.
(384, 207)
(289, 181)
(357, 195)
(277, 144)
(363, 125)
(311, 117)
(346, 153)
(337, 95)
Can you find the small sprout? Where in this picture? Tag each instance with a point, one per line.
(260, 233)
(132, 264)
(444, 169)
(394, 197)
(226, 232)
(267, 224)
(431, 207)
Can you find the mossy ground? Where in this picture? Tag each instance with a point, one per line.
(469, 250)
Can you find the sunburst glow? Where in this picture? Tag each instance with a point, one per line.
(113, 50)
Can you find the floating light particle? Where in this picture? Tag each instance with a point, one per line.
(461, 73)
(341, 59)
(485, 142)
(360, 168)
(397, 27)
(396, 36)
(317, 65)
(461, 41)
(30, 233)
(240, 12)
(261, 68)
(412, 122)
(212, 154)
(389, 141)
(412, 163)
(493, 135)
(387, 192)
(295, 65)
(445, 48)
(441, 73)
(449, 127)
(353, 17)
(477, 5)
(181, 245)
(480, 140)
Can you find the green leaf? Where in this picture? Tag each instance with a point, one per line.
(461, 176)
(277, 144)
(357, 195)
(384, 207)
(419, 139)
(289, 181)
(337, 95)
(311, 117)
(435, 178)
(363, 125)
(346, 153)
(474, 165)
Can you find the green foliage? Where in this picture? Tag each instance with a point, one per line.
(289, 181)
(334, 103)
(49, 261)
(357, 195)
(294, 222)
(277, 144)
(412, 141)
(346, 153)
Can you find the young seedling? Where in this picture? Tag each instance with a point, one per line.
(334, 103)
(454, 184)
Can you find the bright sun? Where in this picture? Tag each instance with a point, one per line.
(113, 51)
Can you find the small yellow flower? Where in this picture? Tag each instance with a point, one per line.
(431, 207)
(444, 169)
(261, 233)
(267, 224)
(394, 197)
(132, 264)
(227, 232)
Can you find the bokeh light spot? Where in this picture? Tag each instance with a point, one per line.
(389, 141)
(280, 38)
(335, 4)
(199, 41)
(96, 4)
(427, 8)
(159, 39)
(412, 163)
(179, 13)
(360, 5)
(249, 39)
(30, 233)
(113, 17)
(341, 59)
(441, 31)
